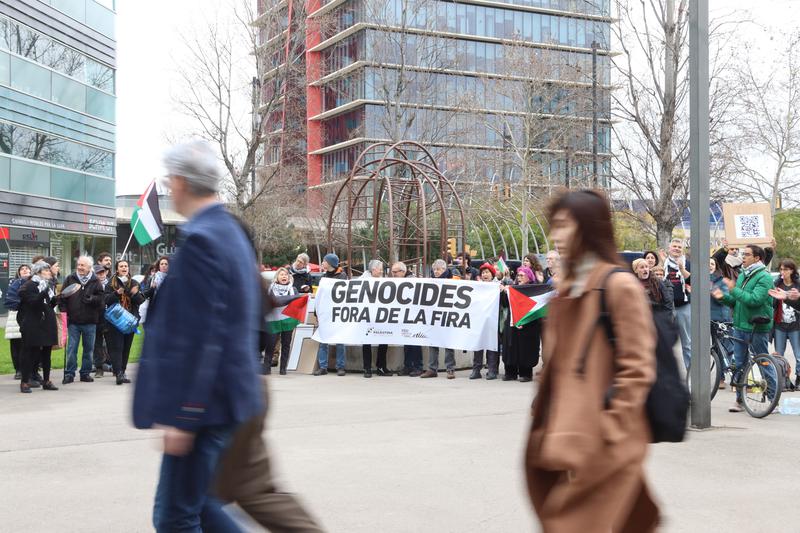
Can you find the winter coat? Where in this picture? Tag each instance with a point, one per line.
(719, 311)
(84, 306)
(780, 309)
(590, 435)
(199, 359)
(335, 274)
(12, 293)
(301, 277)
(749, 299)
(36, 316)
(128, 300)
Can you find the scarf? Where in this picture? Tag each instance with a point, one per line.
(293, 270)
(582, 271)
(752, 269)
(125, 298)
(43, 283)
(672, 264)
(278, 289)
(84, 279)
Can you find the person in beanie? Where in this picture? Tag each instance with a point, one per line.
(82, 308)
(198, 380)
(330, 267)
(101, 344)
(488, 274)
(37, 321)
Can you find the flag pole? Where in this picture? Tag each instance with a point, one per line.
(133, 229)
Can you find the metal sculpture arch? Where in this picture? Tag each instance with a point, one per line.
(395, 205)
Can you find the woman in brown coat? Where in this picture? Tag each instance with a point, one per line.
(590, 434)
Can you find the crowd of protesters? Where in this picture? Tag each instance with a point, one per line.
(46, 313)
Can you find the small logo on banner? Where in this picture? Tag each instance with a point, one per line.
(377, 333)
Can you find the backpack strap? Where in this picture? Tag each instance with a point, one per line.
(603, 320)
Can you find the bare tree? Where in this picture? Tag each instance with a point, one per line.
(651, 109)
(769, 124)
(240, 66)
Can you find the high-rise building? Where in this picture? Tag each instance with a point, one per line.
(494, 89)
(57, 130)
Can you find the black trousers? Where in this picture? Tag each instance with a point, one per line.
(16, 354)
(412, 358)
(286, 349)
(101, 346)
(32, 356)
(522, 371)
(366, 353)
(119, 348)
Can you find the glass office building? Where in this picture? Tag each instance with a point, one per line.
(57, 129)
(448, 67)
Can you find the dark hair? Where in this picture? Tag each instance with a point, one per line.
(595, 233)
(36, 259)
(116, 267)
(651, 252)
(23, 265)
(757, 251)
(536, 266)
(102, 255)
(791, 265)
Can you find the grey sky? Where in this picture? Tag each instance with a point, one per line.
(148, 44)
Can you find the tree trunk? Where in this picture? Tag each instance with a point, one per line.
(663, 234)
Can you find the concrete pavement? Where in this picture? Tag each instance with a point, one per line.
(391, 454)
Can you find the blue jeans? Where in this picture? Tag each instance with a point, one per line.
(183, 500)
(683, 319)
(760, 345)
(74, 334)
(780, 345)
(322, 356)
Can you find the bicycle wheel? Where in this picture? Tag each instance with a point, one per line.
(715, 373)
(761, 386)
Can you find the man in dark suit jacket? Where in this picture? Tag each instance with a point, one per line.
(197, 378)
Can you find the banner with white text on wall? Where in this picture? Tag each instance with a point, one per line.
(424, 312)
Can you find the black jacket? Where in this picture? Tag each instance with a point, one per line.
(36, 316)
(336, 274)
(84, 306)
(777, 306)
(135, 300)
(300, 278)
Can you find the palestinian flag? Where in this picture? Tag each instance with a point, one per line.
(288, 314)
(501, 266)
(146, 219)
(529, 302)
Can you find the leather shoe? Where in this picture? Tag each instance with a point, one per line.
(368, 373)
(384, 372)
(24, 387)
(414, 374)
(340, 372)
(119, 379)
(525, 379)
(508, 377)
(476, 374)
(429, 374)
(282, 372)
(67, 379)
(87, 378)
(34, 384)
(49, 386)
(491, 375)
(125, 378)
(451, 374)
(320, 372)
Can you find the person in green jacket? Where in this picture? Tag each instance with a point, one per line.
(749, 297)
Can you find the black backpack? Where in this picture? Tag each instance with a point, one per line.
(668, 401)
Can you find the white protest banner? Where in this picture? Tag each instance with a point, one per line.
(423, 312)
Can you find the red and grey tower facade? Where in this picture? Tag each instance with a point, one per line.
(440, 73)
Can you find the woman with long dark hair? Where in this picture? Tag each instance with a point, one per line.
(659, 292)
(532, 262)
(787, 314)
(590, 433)
(122, 289)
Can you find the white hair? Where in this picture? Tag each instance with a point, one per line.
(85, 259)
(401, 266)
(439, 263)
(304, 258)
(375, 263)
(197, 162)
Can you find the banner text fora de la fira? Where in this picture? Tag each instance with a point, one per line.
(423, 312)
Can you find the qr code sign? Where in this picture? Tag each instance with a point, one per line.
(750, 227)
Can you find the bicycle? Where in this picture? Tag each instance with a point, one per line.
(759, 382)
(721, 357)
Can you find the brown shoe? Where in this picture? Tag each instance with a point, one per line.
(451, 374)
(429, 374)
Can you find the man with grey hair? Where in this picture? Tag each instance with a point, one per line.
(81, 298)
(197, 379)
(375, 270)
(440, 271)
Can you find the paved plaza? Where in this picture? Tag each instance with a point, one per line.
(382, 455)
